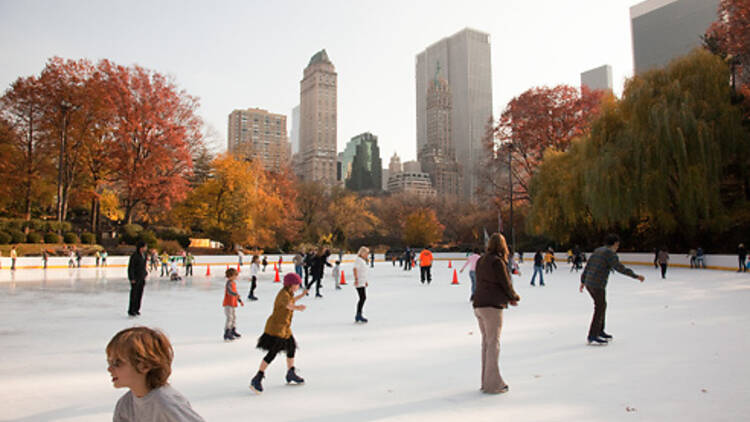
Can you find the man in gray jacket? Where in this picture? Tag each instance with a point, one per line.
(594, 279)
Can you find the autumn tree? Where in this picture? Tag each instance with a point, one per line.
(154, 129)
(422, 228)
(237, 205)
(536, 120)
(25, 148)
(349, 217)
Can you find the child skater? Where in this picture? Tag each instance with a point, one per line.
(231, 297)
(140, 359)
(254, 269)
(277, 335)
(336, 273)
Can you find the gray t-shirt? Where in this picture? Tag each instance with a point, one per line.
(163, 404)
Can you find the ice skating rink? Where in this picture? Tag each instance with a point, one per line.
(680, 351)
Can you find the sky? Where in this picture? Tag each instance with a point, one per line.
(239, 54)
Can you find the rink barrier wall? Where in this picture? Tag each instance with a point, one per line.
(712, 262)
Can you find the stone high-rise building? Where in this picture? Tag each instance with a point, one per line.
(294, 133)
(437, 156)
(257, 134)
(465, 58)
(317, 154)
(666, 29)
(598, 78)
(409, 179)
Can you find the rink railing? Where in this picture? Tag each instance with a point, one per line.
(712, 262)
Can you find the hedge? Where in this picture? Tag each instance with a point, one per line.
(5, 238)
(71, 238)
(33, 237)
(88, 238)
(51, 238)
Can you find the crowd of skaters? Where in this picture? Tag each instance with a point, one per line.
(139, 358)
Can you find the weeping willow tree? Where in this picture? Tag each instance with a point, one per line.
(656, 160)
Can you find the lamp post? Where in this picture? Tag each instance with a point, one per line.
(510, 194)
(65, 107)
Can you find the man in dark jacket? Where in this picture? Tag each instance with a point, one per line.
(741, 255)
(594, 279)
(137, 276)
(316, 269)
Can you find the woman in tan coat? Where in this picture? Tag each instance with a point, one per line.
(494, 292)
(277, 336)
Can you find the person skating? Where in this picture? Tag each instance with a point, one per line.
(471, 262)
(231, 298)
(45, 257)
(319, 262)
(13, 257)
(137, 276)
(538, 268)
(547, 261)
(336, 273)
(78, 258)
(594, 279)
(361, 281)
(425, 265)
(277, 335)
(741, 256)
(164, 264)
(140, 359)
(493, 294)
(663, 259)
(265, 263)
(254, 270)
(298, 260)
(98, 257)
(104, 258)
(189, 259)
(372, 259)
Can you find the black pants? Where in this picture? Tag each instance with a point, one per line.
(253, 284)
(315, 280)
(600, 310)
(362, 297)
(742, 263)
(136, 293)
(188, 269)
(663, 270)
(424, 273)
(307, 275)
(274, 345)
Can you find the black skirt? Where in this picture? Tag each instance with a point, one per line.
(275, 344)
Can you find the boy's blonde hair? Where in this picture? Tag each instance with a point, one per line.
(143, 346)
(230, 272)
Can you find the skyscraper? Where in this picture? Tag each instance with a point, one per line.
(437, 156)
(598, 78)
(465, 58)
(259, 135)
(317, 155)
(665, 29)
(361, 166)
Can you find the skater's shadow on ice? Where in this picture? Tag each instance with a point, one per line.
(425, 407)
(72, 413)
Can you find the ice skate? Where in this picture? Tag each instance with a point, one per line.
(597, 341)
(234, 332)
(228, 335)
(606, 336)
(255, 383)
(292, 377)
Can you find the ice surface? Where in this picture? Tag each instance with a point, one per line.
(680, 352)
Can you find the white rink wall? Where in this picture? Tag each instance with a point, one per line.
(29, 268)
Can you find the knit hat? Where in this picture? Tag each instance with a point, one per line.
(291, 279)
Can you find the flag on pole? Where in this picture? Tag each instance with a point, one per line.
(499, 222)
(486, 236)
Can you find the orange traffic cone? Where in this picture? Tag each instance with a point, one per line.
(450, 264)
(238, 267)
(208, 270)
(276, 279)
(274, 267)
(455, 277)
(343, 279)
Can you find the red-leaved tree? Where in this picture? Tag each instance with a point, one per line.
(154, 129)
(538, 119)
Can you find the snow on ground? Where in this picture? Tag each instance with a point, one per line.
(680, 349)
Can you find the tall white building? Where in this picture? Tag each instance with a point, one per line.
(598, 78)
(465, 58)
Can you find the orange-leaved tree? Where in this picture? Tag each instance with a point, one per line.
(422, 228)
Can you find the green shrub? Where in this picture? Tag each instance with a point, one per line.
(17, 236)
(130, 233)
(54, 226)
(5, 238)
(51, 238)
(33, 237)
(88, 238)
(33, 224)
(149, 238)
(171, 246)
(13, 224)
(71, 238)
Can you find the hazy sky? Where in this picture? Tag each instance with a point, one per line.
(240, 54)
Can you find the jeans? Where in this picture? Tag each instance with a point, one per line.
(188, 270)
(473, 277)
(600, 310)
(362, 297)
(298, 270)
(538, 270)
(424, 273)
